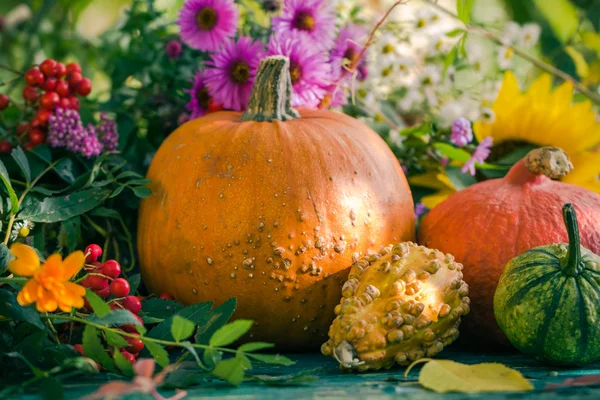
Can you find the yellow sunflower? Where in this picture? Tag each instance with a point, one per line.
(547, 117)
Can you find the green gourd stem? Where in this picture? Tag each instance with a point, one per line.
(271, 98)
(573, 260)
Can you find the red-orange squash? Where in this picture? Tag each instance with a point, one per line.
(273, 212)
(489, 223)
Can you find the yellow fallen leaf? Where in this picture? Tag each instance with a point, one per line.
(444, 376)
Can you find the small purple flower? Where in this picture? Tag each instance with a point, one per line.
(173, 49)
(84, 141)
(205, 24)
(404, 169)
(313, 19)
(347, 49)
(420, 210)
(199, 97)
(462, 134)
(309, 68)
(482, 152)
(107, 133)
(60, 124)
(231, 71)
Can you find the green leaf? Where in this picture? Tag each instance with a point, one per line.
(134, 283)
(142, 191)
(230, 370)
(51, 388)
(218, 317)
(56, 209)
(121, 363)
(449, 60)
(9, 307)
(276, 359)
(14, 201)
(93, 348)
(419, 130)
(196, 313)
(160, 308)
(304, 376)
(231, 332)
(117, 192)
(459, 180)
(21, 159)
(71, 229)
(115, 318)
(254, 346)
(105, 212)
(456, 154)
(561, 15)
(212, 357)
(455, 32)
(158, 352)
(463, 10)
(182, 328)
(114, 339)
(101, 309)
(193, 352)
(4, 257)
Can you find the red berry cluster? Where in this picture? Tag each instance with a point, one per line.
(105, 281)
(52, 84)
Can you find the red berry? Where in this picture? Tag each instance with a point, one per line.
(104, 292)
(135, 345)
(73, 67)
(36, 136)
(28, 146)
(74, 103)
(49, 100)
(84, 87)
(132, 304)
(115, 306)
(92, 252)
(22, 128)
(48, 67)
(213, 106)
(79, 348)
(165, 296)
(97, 282)
(5, 146)
(35, 122)
(4, 101)
(128, 356)
(30, 94)
(60, 70)
(119, 287)
(73, 79)
(43, 116)
(49, 84)
(64, 103)
(111, 268)
(34, 77)
(62, 88)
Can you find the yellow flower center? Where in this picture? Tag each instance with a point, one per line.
(295, 72)
(203, 97)
(386, 71)
(24, 232)
(240, 72)
(421, 23)
(304, 21)
(508, 53)
(207, 18)
(387, 49)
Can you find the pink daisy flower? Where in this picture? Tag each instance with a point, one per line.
(313, 19)
(205, 24)
(309, 68)
(199, 97)
(231, 72)
(481, 153)
(346, 50)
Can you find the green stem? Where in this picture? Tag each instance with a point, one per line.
(573, 264)
(13, 280)
(271, 98)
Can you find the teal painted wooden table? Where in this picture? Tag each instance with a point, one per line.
(333, 383)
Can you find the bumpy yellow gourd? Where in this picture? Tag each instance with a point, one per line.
(400, 305)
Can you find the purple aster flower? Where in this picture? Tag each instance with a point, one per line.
(313, 19)
(84, 141)
(347, 49)
(199, 97)
(309, 68)
(205, 24)
(173, 49)
(482, 152)
(60, 124)
(336, 96)
(107, 133)
(231, 72)
(462, 134)
(420, 210)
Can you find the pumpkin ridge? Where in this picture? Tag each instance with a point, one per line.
(545, 327)
(517, 296)
(593, 272)
(585, 329)
(591, 283)
(533, 264)
(545, 252)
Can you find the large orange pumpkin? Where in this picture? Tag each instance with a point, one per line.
(272, 212)
(489, 223)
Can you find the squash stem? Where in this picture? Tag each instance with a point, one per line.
(572, 267)
(271, 98)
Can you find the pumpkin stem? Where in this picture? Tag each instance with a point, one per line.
(549, 161)
(271, 97)
(573, 264)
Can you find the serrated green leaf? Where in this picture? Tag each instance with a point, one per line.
(122, 363)
(115, 318)
(4, 257)
(276, 359)
(100, 308)
(93, 348)
(134, 283)
(14, 201)
(141, 329)
(182, 328)
(9, 307)
(21, 159)
(72, 231)
(114, 339)
(231, 332)
(254, 346)
(218, 317)
(230, 370)
(56, 209)
(196, 313)
(160, 308)
(212, 357)
(142, 191)
(158, 352)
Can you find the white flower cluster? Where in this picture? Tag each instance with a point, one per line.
(525, 36)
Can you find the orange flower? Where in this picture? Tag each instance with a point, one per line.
(49, 287)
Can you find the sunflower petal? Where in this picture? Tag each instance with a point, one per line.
(26, 261)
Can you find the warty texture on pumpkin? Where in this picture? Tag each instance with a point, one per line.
(398, 306)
